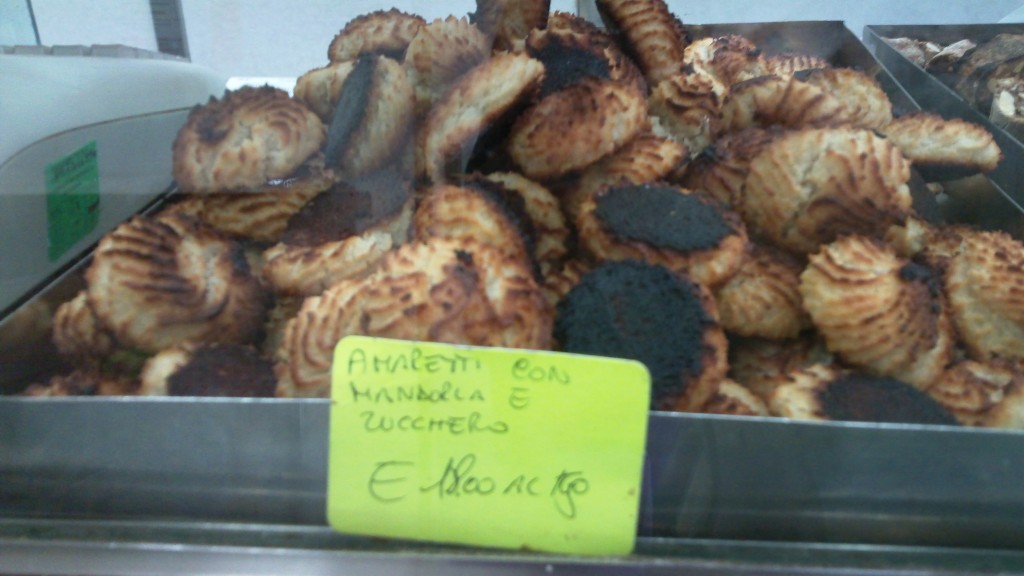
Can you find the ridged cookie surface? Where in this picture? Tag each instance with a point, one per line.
(809, 187)
(878, 311)
(241, 141)
(440, 291)
(158, 282)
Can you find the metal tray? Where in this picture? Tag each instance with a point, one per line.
(706, 477)
(935, 96)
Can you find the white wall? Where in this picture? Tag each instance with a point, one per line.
(90, 22)
(284, 38)
(287, 38)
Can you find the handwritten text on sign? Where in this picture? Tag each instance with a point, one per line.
(486, 446)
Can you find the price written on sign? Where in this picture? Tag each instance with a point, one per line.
(486, 446)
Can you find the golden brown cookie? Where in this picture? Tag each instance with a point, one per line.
(864, 103)
(957, 147)
(721, 169)
(158, 282)
(550, 231)
(984, 281)
(971, 390)
(573, 53)
(481, 213)
(830, 393)
(808, 187)
(373, 117)
(878, 311)
(763, 298)
(650, 33)
(478, 99)
(727, 59)
(645, 159)
(509, 21)
(440, 291)
(558, 282)
(229, 370)
(734, 399)
(343, 233)
(644, 312)
(84, 382)
(1009, 412)
(780, 101)
(442, 51)
(679, 229)
(790, 63)
(320, 88)
(246, 138)
(382, 32)
(689, 107)
(260, 216)
(575, 127)
(78, 334)
(762, 365)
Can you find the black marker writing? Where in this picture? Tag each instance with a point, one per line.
(567, 486)
(385, 480)
(458, 479)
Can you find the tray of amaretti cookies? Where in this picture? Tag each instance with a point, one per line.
(969, 72)
(835, 342)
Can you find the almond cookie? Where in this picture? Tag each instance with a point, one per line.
(689, 107)
(684, 231)
(734, 399)
(944, 149)
(258, 216)
(878, 311)
(479, 98)
(386, 33)
(442, 51)
(372, 119)
(763, 298)
(509, 21)
(762, 365)
(241, 141)
(865, 104)
(807, 188)
(650, 33)
(782, 101)
(227, 370)
(829, 393)
(486, 214)
(727, 59)
(343, 233)
(721, 169)
(972, 390)
(645, 159)
(575, 127)
(78, 333)
(984, 280)
(789, 63)
(158, 282)
(440, 291)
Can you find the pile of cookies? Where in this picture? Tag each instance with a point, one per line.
(740, 223)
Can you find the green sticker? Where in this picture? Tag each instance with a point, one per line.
(72, 199)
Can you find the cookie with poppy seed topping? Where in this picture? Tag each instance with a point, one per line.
(829, 393)
(208, 370)
(662, 224)
(644, 312)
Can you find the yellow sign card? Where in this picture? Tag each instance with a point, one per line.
(486, 446)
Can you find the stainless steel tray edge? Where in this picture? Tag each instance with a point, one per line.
(706, 476)
(934, 96)
(264, 461)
